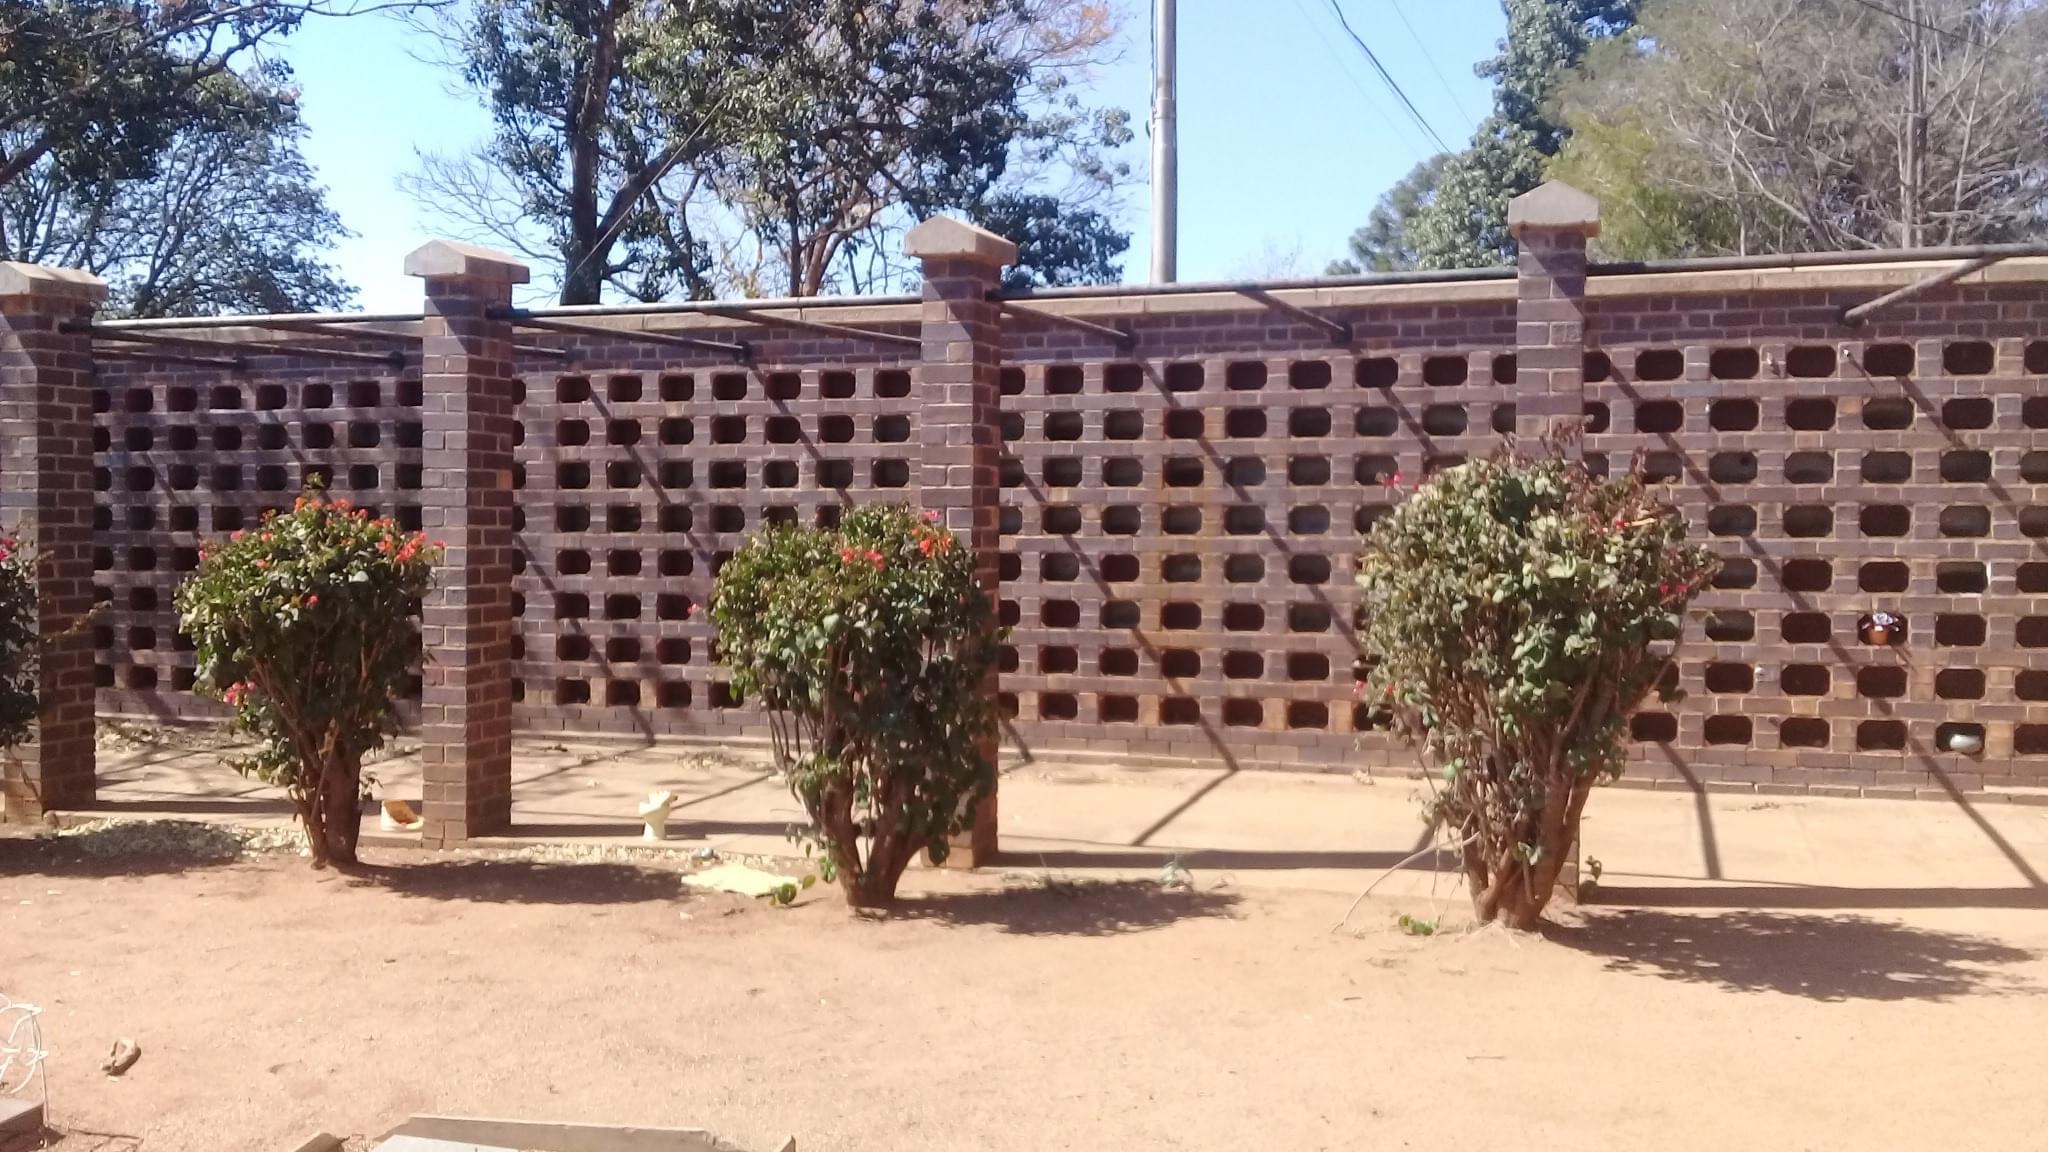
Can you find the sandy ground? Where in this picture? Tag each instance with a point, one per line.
(1004, 1013)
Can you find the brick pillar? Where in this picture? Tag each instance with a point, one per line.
(466, 704)
(959, 408)
(1551, 225)
(46, 499)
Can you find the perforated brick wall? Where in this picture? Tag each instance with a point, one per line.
(1178, 524)
(1898, 469)
(637, 478)
(187, 453)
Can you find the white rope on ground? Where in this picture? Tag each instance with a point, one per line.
(21, 1049)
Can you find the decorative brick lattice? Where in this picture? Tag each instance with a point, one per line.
(1178, 524)
(185, 454)
(1899, 471)
(635, 482)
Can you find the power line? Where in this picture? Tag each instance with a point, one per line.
(1387, 76)
(1958, 37)
(1429, 59)
(1343, 66)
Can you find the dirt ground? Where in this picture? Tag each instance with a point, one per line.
(1002, 1013)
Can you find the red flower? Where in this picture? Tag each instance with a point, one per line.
(875, 558)
(237, 537)
(846, 555)
(931, 515)
(926, 544)
(262, 564)
(1621, 522)
(1394, 481)
(313, 601)
(267, 537)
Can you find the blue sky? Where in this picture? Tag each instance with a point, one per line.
(1286, 135)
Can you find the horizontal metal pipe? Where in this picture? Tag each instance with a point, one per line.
(236, 363)
(1805, 260)
(395, 359)
(1241, 287)
(744, 316)
(522, 319)
(262, 320)
(718, 307)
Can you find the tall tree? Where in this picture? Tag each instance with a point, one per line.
(1812, 125)
(602, 111)
(100, 88)
(775, 144)
(1383, 244)
(1462, 223)
(230, 220)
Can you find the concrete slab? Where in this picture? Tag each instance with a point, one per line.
(19, 1118)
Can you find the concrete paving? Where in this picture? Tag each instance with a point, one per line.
(1317, 832)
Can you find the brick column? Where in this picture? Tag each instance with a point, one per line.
(466, 704)
(959, 409)
(46, 500)
(1551, 225)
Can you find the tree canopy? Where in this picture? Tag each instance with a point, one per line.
(157, 145)
(777, 145)
(1451, 212)
(1813, 125)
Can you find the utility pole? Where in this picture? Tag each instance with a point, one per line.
(1911, 207)
(1165, 148)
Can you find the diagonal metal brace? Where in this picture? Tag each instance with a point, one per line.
(1854, 317)
(1117, 334)
(1340, 332)
(738, 350)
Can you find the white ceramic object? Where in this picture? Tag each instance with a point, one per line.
(654, 814)
(1968, 743)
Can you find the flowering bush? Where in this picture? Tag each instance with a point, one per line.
(872, 648)
(306, 626)
(1509, 614)
(18, 648)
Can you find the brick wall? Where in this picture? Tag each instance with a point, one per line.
(1178, 523)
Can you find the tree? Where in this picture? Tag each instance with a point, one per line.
(1462, 223)
(307, 626)
(873, 650)
(602, 109)
(1816, 125)
(668, 148)
(1512, 611)
(230, 220)
(1383, 245)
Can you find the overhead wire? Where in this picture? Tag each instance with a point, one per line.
(1952, 34)
(1430, 59)
(1387, 77)
(1400, 126)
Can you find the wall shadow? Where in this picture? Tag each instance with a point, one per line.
(140, 848)
(1062, 908)
(520, 882)
(1826, 958)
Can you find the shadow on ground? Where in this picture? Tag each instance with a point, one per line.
(519, 882)
(137, 849)
(1064, 908)
(1831, 958)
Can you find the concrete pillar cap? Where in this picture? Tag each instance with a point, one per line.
(945, 237)
(1554, 207)
(18, 279)
(442, 259)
